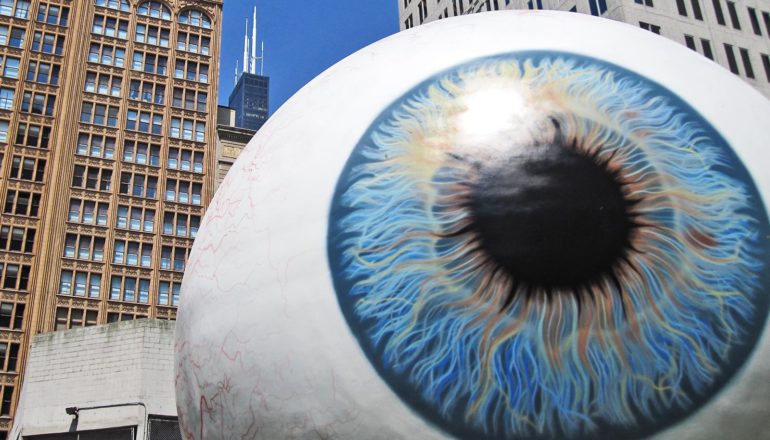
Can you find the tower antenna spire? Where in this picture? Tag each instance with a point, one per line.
(246, 48)
(253, 65)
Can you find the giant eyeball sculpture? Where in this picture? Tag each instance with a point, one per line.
(502, 226)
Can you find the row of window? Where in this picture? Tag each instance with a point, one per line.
(149, 34)
(145, 91)
(46, 13)
(125, 252)
(67, 318)
(32, 102)
(133, 184)
(14, 276)
(109, 55)
(37, 71)
(135, 218)
(29, 135)
(143, 121)
(143, 153)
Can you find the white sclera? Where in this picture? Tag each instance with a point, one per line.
(263, 350)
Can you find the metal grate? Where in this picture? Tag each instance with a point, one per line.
(102, 434)
(165, 428)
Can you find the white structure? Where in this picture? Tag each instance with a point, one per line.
(111, 381)
(250, 55)
(264, 349)
(735, 34)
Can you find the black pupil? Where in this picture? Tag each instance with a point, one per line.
(552, 217)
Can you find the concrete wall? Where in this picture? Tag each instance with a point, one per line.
(116, 364)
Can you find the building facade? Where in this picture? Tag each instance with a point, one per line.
(231, 141)
(107, 162)
(250, 100)
(735, 34)
(129, 393)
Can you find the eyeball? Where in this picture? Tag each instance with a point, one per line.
(507, 225)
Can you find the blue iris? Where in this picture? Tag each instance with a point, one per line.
(488, 350)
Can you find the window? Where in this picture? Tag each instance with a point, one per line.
(194, 43)
(185, 160)
(96, 145)
(731, 62)
(746, 58)
(6, 98)
(191, 71)
(132, 253)
(10, 66)
(141, 153)
(689, 41)
(188, 129)
(147, 91)
(15, 276)
(78, 283)
(17, 239)
(48, 43)
(733, 15)
(681, 8)
(28, 168)
(766, 19)
(22, 203)
(38, 103)
(190, 99)
(135, 218)
(53, 14)
(182, 191)
(110, 26)
(107, 55)
(67, 318)
(718, 12)
(13, 37)
(599, 7)
(103, 84)
(154, 35)
(707, 48)
(15, 8)
(150, 63)
(409, 22)
(766, 65)
(121, 5)
(88, 212)
(45, 73)
(754, 21)
(138, 185)
(696, 10)
(644, 2)
(4, 130)
(173, 258)
(11, 315)
(99, 114)
(145, 122)
(92, 177)
(31, 135)
(168, 290)
(650, 27)
(9, 355)
(123, 316)
(130, 289)
(193, 17)
(154, 9)
(84, 247)
(181, 225)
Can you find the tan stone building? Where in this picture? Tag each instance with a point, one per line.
(735, 34)
(107, 136)
(231, 141)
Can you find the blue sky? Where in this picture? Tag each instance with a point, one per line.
(302, 41)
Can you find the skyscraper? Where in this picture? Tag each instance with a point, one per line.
(250, 96)
(735, 34)
(107, 137)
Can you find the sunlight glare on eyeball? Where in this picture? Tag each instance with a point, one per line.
(394, 254)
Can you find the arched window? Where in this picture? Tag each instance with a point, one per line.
(154, 9)
(122, 5)
(194, 17)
